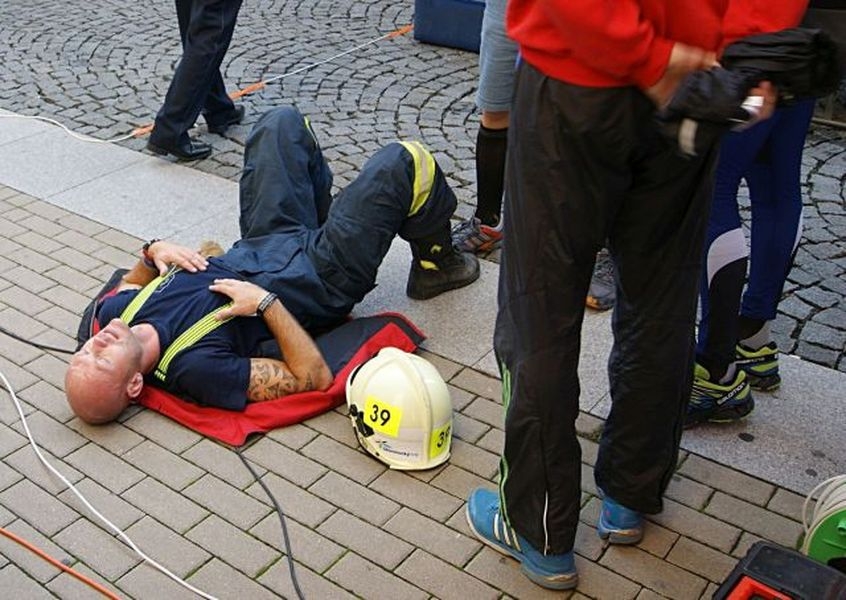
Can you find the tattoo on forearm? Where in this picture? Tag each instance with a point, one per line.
(270, 379)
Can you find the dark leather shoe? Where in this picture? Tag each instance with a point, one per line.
(190, 150)
(454, 271)
(235, 117)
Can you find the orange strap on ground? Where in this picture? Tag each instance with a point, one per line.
(58, 564)
(143, 130)
(247, 90)
(400, 31)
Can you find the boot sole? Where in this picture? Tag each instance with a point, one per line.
(765, 383)
(729, 414)
(164, 152)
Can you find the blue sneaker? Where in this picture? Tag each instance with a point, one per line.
(552, 571)
(618, 524)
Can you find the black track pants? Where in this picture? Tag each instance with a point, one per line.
(586, 165)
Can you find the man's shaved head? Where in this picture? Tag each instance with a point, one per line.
(104, 376)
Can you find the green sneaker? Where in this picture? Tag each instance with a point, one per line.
(718, 403)
(761, 366)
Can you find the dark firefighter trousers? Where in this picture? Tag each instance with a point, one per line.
(318, 253)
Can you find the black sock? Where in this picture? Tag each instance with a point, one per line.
(715, 372)
(434, 247)
(491, 145)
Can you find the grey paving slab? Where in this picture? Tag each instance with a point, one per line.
(17, 584)
(153, 198)
(49, 163)
(459, 324)
(311, 549)
(794, 438)
(96, 548)
(233, 545)
(36, 568)
(15, 127)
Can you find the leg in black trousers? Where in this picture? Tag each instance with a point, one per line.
(206, 28)
(586, 165)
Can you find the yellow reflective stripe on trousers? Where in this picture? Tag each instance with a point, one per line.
(310, 131)
(189, 337)
(424, 174)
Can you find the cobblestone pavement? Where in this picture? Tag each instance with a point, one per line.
(357, 529)
(102, 68)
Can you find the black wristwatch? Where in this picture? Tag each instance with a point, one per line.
(265, 303)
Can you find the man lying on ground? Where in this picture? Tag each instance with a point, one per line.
(193, 325)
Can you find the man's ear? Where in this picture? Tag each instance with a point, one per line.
(135, 385)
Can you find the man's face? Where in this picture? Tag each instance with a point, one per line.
(98, 374)
(110, 353)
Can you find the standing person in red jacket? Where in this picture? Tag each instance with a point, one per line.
(587, 163)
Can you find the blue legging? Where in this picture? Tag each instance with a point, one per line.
(768, 156)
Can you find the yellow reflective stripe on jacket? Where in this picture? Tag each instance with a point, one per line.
(140, 298)
(424, 174)
(189, 337)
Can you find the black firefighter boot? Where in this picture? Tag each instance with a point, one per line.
(437, 267)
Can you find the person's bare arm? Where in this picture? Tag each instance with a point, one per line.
(303, 368)
(163, 254)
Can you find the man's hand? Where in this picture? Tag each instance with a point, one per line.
(245, 296)
(684, 60)
(164, 254)
(762, 102)
(303, 368)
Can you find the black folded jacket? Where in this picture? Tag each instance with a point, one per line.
(800, 62)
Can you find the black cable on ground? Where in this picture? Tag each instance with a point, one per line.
(281, 514)
(35, 344)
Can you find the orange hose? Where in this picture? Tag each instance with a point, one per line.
(58, 564)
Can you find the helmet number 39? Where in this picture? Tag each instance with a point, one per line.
(383, 417)
(440, 440)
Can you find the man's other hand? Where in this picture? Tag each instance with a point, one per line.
(164, 254)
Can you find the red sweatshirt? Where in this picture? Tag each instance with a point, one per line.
(611, 43)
